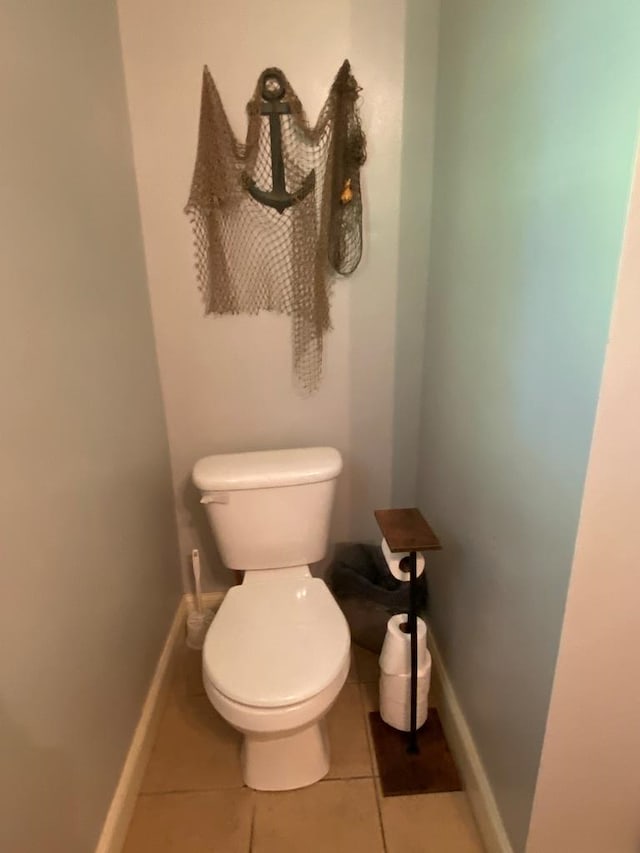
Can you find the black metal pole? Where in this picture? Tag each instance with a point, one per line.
(413, 628)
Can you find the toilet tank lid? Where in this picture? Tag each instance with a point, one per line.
(267, 469)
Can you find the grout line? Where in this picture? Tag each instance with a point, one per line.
(253, 822)
(364, 715)
(380, 820)
(326, 779)
(370, 744)
(174, 791)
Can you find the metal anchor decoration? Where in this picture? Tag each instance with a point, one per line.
(273, 91)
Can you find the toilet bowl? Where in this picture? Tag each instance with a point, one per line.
(274, 661)
(278, 650)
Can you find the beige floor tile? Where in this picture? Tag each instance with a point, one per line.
(336, 816)
(201, 822)
(187, 679)
(195, 749)
(366, 664)
(430, 823)
(348, 736)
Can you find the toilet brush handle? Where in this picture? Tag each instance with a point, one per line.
(195, 563)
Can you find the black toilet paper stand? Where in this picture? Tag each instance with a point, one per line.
(406, 530)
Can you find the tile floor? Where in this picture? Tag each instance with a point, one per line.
(192, 799)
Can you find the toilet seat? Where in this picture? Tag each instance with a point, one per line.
(286, 718)
(276, 645)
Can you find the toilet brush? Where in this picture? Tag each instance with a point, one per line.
(198, 620)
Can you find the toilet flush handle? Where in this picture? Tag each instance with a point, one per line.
(215, 498)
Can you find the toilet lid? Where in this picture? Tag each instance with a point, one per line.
(276, 642)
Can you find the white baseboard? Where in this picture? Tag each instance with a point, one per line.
(476, 781)
(123, 803)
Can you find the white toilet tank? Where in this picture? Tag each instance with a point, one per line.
(270, 509)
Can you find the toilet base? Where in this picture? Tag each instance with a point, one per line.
(281, 763)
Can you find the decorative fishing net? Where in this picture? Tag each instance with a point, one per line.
(253, 257)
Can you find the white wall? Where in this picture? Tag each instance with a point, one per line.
(88, 546)
(588, 791)
(227, 381)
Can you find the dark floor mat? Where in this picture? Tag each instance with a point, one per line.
(431, 771)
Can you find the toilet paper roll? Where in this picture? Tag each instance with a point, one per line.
(395, 657)
(394, 562)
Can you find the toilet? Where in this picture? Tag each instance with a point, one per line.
(278, 650)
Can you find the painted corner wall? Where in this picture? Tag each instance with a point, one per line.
(588, 788)
(89, 578)
(227, 381)
(535, 131)
(418, 136)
